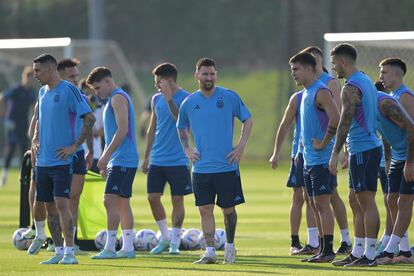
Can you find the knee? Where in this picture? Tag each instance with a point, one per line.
(154, 198)
(61, 204)
(392, 200)
(298, 198)
(75, 197)
(206, 210)
(108, 203)
(177, 201)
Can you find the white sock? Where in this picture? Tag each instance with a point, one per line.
(392, 244)
(59, 250)
(359, 247)
(162, 225)
(384, 240)
(370, 245)
(69, 250)
(345, 236)
(404, 243)
(229, 246)
(40, 229)
(210, 251)
(74, 231)
(176, 236)
(128, 240)
(111, 237)
(313, 239)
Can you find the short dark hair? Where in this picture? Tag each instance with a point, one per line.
(166, 70)
(97, 74)
(395, 61)
(313, 50)
(205, 61)
(345, 49)
(304, 58)
(379, 86)
(83, 85)
(67, 63)
(45, 58)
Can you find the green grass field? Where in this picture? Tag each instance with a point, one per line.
(263, 236)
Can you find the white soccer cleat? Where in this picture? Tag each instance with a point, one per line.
(229, 255)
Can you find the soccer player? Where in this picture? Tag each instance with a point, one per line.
(319, 116)
(168, 160)
(295, 179)
(54, 144)
(358, 127)
(401, 183)
(337, 203)
(118, 163)
(68, 70)
(18, 102)
(210, 113)
(383, 176)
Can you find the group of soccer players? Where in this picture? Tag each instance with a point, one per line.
(372, 121)
(63, 121)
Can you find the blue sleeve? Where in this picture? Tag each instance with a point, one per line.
(8, 94)
(183, 121)
(239, 109)
(77, 103)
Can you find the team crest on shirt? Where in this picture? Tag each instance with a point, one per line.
(220, 102)
(56, 98)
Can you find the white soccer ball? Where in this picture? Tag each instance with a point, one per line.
(121, 239)
(19, 241)
(190, 239)
(100, 240)
(145, 240)
(219, 239)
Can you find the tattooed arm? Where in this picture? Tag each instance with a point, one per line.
(192, 154)
(325, 101)
(387, 154)
(350, 98)
(400, 117)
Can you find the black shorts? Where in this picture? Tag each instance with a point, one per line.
(383, 177)
(319, 180)
(397, 183)
(295, 179)
(226, 186)
(177, 176)
(363, 171)
(53, 182)
(120, 180)
(79, 163)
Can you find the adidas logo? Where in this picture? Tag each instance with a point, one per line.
(323, 188)
(372, 245)
(115, 188)
(187, 187)
(197, 107)
(359, 184)
(359, 244)
(237, 198)
(66, 191)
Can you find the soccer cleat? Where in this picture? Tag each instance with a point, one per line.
(347, 260)
(385, 258)
(307, 259)
(121, 254)
(322, 258)
(404, 257)
(54, 260)
(29, 234)
(206, 260)
(308, 250)
(362, 262)
(380, 249)
(412, 250)
(68, 259)
(162, 246)
(78, 251)
(229, 256)
(174, 250)
(294, 250)
(35, 246)
(50, 247)
(344, 249)
(104, 254)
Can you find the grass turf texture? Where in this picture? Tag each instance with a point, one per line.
(262, 240)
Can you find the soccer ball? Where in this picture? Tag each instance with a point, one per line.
(219, 239)
(145, 240)
(190, 239)
(121, 239)
(100, 240)
(19, 241)
(158, 235)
